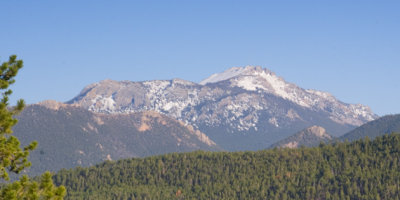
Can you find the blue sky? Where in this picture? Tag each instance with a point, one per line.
(348, 48)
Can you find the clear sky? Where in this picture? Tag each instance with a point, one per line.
(348, 48)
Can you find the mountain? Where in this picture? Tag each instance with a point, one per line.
(358, 170)
(372, 129)
(308, 137)
(70, 136)
(243, 108)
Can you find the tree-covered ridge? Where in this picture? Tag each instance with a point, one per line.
(362, 169)
(372, 129)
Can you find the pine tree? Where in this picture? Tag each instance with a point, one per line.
(13, 158)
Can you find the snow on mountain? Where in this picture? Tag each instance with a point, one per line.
(256, 78)
(174, 96)
(241, 99)
(230, 73)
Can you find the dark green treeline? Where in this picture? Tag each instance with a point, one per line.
(362, 169)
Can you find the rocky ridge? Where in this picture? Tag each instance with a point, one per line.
(237, 102)
(311, 136)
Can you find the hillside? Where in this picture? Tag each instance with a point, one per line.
(71, 136)
(378, 127)
(309, 137)
(358, 170)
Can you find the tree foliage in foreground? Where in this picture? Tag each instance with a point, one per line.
(13, 158)
(362, 169)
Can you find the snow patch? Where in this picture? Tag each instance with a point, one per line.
(100, 103)
(277, 84)
(230, 73)
(249, 83)
(361, 110)
(183, 82)
(324, 95)
(156, 86)
(273, 121)
(108, 103)
(169, 105)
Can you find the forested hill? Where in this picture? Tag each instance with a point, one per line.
(384, 125)
(362, 169)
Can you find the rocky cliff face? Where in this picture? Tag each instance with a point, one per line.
(309, 137)
(242, 108)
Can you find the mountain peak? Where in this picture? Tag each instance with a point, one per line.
(232, 73)
(253, 78)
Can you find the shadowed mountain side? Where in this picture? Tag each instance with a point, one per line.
(71, 136)
(378, 127)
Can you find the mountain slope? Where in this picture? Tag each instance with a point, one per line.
(308, 137)
(245, 108)
(381, 126)
(70, 136)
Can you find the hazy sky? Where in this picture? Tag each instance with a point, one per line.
(348, 48)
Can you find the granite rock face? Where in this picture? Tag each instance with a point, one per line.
(309, 137)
